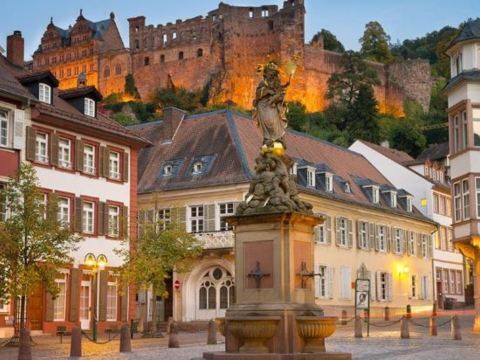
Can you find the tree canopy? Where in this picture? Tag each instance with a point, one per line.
(375, 43)
(330, 41)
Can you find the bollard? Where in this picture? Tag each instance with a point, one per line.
(172, 337)
(408, 315)
(404, 330)
(344, 317)
(386, 315)
(169, 324)
(76, 342)
(125, 341)
(358, 327)
(455, 328)
(25, 346)
(434, 309)
(212, 333)
(433, 326)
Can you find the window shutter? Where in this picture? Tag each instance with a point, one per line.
(389, 287)
(179, 217)
(124, 225)
(407, 243)
(102, 310)
(30, 150)
(350, 233)
(387, 238)
(359, 223)
(53, 149)
(75, 279)
(419, 245)
(330, 281)
(373, 288)
(429, 246)
(427, 288)
(126, 163)
(210, 214)
(18, 125)
(378, 285)
(371, 236)
(403, 241)
(337, 231)
(124, 303)
(49, 307)
(79, 155)
(101, 162)
(393, 248)
(78, 215)
(345, 275)
(317, 282)
(102, 230)
(316, 234)
(328, 229)
(377, 237)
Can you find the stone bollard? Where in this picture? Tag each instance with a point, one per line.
(358, 327)
(25, 346)
(434, 309)
(344, 317)
(455, 328)
(172, 337)
(386, 315)
(125, 340)
(212, 333)
(76, 342)
(404, 330)
(433, 326)
(408, 314)
(169, 324)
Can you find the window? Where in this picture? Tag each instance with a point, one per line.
(4, 307)
(199, 52)
(265, 13)
(458, 64)
(398, 241)
(111, 301)
(459, 282)
(167, 170)
(346, 282)
(322, 282)
(64, 211)
(457, 201)
(225, 210)
(375, 194)
(435, 203)
(343, 231)
(452, 277)
(180, 55)
(476, 126)
(118, 69)
(477, 191)
(89, 159)
(414, 286)
(197, 168)
(311, 177)
(320, 236)
(64, 153)
(382, 239)
(44, 93)
(424, 245)
(162, 58)
(59, 303)
(466, 199)
(250, 13)
(384, 285)
(409, 204)
(114, 165)
(89, 107)
(393, 199)
(464, 130)
(445, 281)
(41, 147)
(3, 205)
(106, 70)
(363, 234)
(294, 168)
(347, 187)
(164, 218)
(329, 182)
(174, 35)
(196, 218)
(146, 61)
(442, 205)
(3, 128)
(411, 242)
(113, 221)
(88, 214)
(164, 38)
(424, 287)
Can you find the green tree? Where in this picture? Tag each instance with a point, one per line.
(124, 119)
(375, 43)
(407, 136)
(362, 122)
(178, 97)
(297, 115)
(34, 244)
(330, 41)
(162, 248)
(130, 88)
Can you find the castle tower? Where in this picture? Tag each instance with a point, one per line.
(463, 90)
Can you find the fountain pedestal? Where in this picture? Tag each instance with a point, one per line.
(275, 315)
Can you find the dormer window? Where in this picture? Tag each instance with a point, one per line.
(311, 177)
(375, 194)
(328, 182)
(45, 93)
(197, 168)
(409, 203)
(393, 199)
(167, 170)
(293, 169)
(347, 188)
(458, 63)
(89, 107)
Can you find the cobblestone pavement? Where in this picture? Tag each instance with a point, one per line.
(383, 343)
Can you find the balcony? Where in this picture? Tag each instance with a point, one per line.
(216, 240)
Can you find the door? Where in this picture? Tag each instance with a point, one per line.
(85, 305)
(35, 308)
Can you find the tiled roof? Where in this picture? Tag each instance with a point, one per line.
(9, 85)
(80, 91)
(471, 30)
(470, 75)
(30, 77)
(234, 141)
(398, 156)
(434, 152)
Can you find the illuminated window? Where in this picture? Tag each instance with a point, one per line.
(59, 303)
(111, 301)
(89, 107)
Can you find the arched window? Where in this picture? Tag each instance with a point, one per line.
(180, 55)
(146, 61)
(216, 290)
(118, 69)
(199, 52)
(106, 71)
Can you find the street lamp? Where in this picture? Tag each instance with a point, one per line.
(96, 263)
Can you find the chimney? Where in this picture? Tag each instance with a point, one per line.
(15, 48)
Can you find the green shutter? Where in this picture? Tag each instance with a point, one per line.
(358, 224)
(75, 280)
(54, 149)
(179, 217)
(102, 309)
(30, 145)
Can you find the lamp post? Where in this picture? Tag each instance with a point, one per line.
(97, 263)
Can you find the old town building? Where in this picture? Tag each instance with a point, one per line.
(93, 49)
(90, 163)
(198, 171)
(463, 91)
(427, 178)
(218, 54)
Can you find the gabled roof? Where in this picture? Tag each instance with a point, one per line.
(234, 141)
(9, 85)
(80, 91)
(470, 31)
(31, 77)
(434, 152)
(398, 156)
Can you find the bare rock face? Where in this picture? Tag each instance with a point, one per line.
(273, 189)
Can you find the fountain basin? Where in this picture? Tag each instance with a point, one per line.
(314, 330)
(254, 332)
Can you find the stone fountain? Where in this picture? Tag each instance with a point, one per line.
(275, 315)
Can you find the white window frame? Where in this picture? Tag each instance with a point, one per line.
(88, 217)
(452, 278)
(459, 282)
(343, 229)
(322, 282)
(45, 93)
(321, 236)
(375, 194)
(466, 199)
(382, 238)
(265, 13)
(393, 199)
(89, 107)
(59, 298)
(363, 235)
(328, 182)
(65, 153)
(294, 168)
(64, 215)
(4, 128)
(311, 177)
(477, 195)
(113, 221)
(164, 217)
(196, 218)
(41, 147)
(167, 170)
(424, 245)
(398, 240)
(89, 159)
(114, 165)
(409, 204)
(224, 210)
(411, 243)
(457, 201)
(109, 308)
(197, 168)
(383, 286)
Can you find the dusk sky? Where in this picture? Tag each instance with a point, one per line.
(401, 19)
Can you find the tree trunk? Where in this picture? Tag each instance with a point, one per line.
(22, 311)
(153, 328)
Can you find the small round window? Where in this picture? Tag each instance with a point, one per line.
(167, 170)
(197, 167)
(217, 274)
